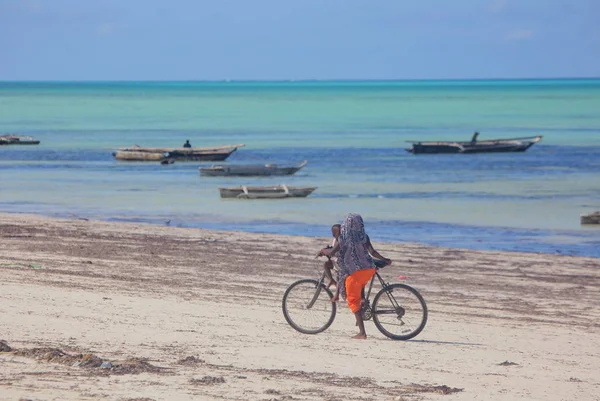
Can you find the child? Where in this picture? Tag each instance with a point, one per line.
(328, 265)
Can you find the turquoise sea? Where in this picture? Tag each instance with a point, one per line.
(352, 134)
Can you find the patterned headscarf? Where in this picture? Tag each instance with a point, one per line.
(354, 252)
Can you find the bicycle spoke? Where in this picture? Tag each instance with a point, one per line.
(308, 307)
(399, 312)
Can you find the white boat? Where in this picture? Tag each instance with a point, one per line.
(267, 192)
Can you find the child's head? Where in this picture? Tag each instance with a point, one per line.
(335, 230)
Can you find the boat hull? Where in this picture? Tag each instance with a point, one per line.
(490, 146)
(200, 157)
(18, 140)
(274, 192)
(248, 170)
(451, 149)
(592, 218)
(498, 149)
(126, 155)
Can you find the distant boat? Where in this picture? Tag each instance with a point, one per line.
(591, 218)
(474, 146)
(271, 192)
(249, 170)
(137, 153)
(18, 140)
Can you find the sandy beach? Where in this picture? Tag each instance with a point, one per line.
(119, 311)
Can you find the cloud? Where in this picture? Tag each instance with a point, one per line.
(519, 34)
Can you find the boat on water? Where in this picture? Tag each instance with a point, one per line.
(268, 192)
(137, 153)
(249, 170)
(591, 218)
(474, 146)
(18, 140)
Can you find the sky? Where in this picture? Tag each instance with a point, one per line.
(298, 39)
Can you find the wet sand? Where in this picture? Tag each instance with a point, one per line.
(97, 310)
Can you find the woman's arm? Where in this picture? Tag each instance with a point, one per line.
(374, 252)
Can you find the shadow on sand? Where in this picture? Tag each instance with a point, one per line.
(446, 342)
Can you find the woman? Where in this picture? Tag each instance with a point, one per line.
(355, 264)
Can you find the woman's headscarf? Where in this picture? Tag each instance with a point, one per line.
(354, 252)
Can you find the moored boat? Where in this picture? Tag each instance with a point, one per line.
(474, 146)
(18, 140)
(137, 153)
(249, 170)
(591, 218)
(266, 192)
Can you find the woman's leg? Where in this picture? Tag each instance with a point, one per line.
(354, 286)
(362, 334)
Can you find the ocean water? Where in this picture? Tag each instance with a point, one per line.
(353, 135)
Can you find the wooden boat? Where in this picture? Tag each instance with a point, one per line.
(272, 192)
(18, 140)
(137, 153)
(592, 218)
(474, 146)
(247, 170)
(175, 155)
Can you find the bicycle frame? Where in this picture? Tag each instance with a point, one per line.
(367, 304)
(381, 281)
(366, 308)
(320, 286)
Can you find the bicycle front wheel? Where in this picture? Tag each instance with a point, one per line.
(399, 311)
(307, 306)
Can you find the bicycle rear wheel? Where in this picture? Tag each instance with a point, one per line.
(307, 306)
(399, 311)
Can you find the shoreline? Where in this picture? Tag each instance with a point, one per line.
(166, 294)
(583, 243)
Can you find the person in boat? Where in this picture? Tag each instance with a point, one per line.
(356, 266)
(187, 144)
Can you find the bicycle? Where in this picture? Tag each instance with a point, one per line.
(395, 307)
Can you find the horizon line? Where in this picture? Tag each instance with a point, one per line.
(291, 80)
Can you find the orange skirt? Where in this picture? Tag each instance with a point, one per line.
(354, 285)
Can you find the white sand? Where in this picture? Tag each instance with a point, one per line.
(162, 294)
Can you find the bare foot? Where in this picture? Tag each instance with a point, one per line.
(359, 337)
(335, 299)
